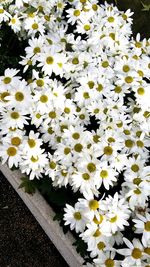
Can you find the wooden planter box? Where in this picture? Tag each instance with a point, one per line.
(44, 215)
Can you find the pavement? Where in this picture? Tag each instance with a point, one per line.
(23, 243)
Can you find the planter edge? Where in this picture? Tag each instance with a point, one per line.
(44, 215)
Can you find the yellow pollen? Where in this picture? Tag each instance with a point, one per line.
(31, 143)
(147, 226)
(78, 147)
(15, 141)
(40, 83)
(97, 233)
(37, 50)
(34, 159)
(101, 245)
(44, 98)
(15, 115)
(93, 204)
(77, 216)
(76, 13)
(52, 165)
(109, 263)
(86, 176)
(141, 91)
(19, 96)
(104, 174)
(35, 26)
(136, 253)
(11, 151)
(108, 150)
(50, 60)
(7, 80)
(91, 167)
(113, 219)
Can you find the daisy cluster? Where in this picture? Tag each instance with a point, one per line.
(83, 119)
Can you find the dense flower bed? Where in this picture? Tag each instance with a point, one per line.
(83, 118)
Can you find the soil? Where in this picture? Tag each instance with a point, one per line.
(23, 242)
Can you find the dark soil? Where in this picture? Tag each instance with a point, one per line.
(23, 243)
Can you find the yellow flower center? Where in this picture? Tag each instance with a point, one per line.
(15, 115)
(38, 115)
(13, 20)
(67, 110)
(129, 143)
(67, 150)
(37, 50)
(11, 151)
(93, 204)
(86, 176)
(16, 141)
(108, 150)
(105, 64)
(44, 98)
(76, 136)
(113, 219)
(111, 19)
(136, 253)
(34, 159)
(52, 165)
(31, 143)
(3, 95)
(19, 96)
(77, 216)
(75, 61)
(126, 68)
(118, 89)
(128, 79)
(7, 80)
(141, 91)
(101, 245)
(97, 233)
(35, 26)
(78, 147)
(76, 13)
(135, 168)
(52, 114)
(147, 226)
(109, 263)
(140, 143)
(91, 167)
(1, 10)
(96, 221)
(49, 60)
(87, 27)
(104, 174)
(91, 84)
(40, 83)
(147, 250)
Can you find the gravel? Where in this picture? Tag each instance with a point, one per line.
(23, 242)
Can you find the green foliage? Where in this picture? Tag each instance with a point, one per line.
(146, 7)
(59, 217)
(28, 185)
(10, 49)
(81, 248)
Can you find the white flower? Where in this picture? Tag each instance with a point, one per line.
(142, 224)
(75, 218)
(133, 254)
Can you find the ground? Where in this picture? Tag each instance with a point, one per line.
(23, 243)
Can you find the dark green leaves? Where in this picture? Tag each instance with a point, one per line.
(28, 185)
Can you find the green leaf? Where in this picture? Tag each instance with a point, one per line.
(28, 185)
(31, 9)
(146, 7)
(81, 247)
